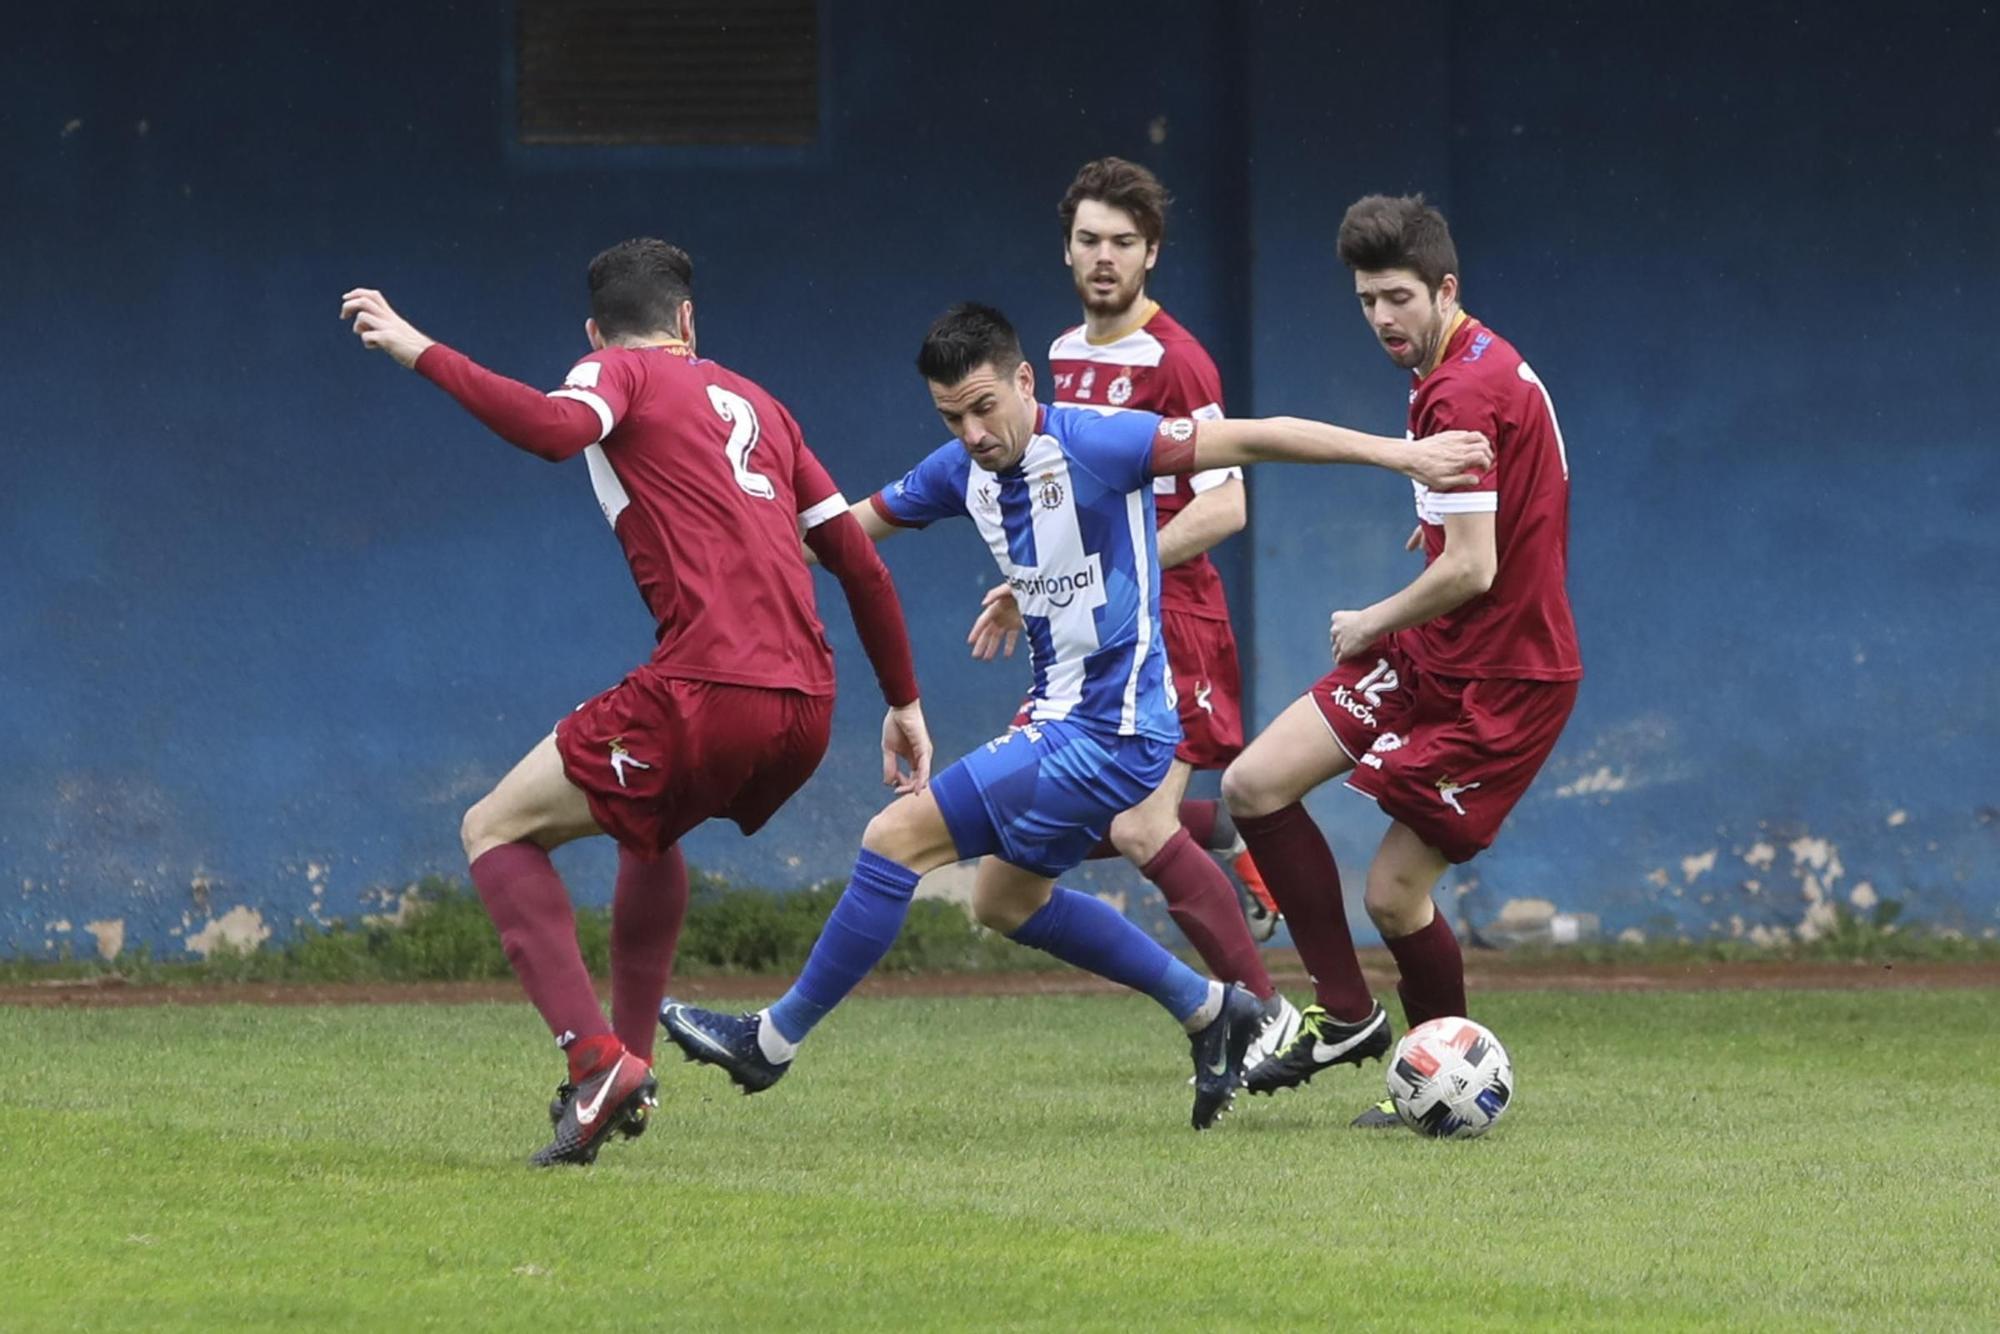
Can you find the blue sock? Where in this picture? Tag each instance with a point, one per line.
(1084, 930)
(860, 931)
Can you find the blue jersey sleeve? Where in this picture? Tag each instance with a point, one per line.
(1117, 448)
(933, 490)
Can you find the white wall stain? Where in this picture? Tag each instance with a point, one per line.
(1898, 818)
(60, 924)
(110, 935)
(1631, 935)
(1602, 779)
(1658, 876)
(1863, 896)
(241, 928)
(408, 903)
(1697, 865)
(1117, 898)
(1761, 855)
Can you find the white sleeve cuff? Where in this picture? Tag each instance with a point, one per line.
(1207, 412)
(1214, 477)
(832, 507)
(1463, 502)
(602, 408)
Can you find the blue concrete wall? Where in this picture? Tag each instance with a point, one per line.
(275, 611)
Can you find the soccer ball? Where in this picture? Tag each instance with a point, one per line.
(1450, 1078)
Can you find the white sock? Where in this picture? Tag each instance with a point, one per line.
(1210, 1008)
(777, 1048)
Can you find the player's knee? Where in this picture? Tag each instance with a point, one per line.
(1246, 792)
(1005, 911)
(1396, 906)
(1139, 837)
(480, 831)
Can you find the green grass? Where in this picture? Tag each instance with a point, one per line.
(1742, 1160)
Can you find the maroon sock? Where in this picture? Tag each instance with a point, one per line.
(1299, 869)
(1204, 907)
(527, 902)
(647, 908)
(1198, 817)
(1433, 981)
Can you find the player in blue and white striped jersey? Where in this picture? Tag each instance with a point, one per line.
(1063, 499)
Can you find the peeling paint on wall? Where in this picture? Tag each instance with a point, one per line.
(110, 937)
(1599, 780)
(241, 928)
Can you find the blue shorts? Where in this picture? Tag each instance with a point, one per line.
(1042, 796)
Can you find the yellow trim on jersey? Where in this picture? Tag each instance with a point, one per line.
(1437, 357)
(1150, 308)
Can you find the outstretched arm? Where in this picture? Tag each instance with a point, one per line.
(1441, 462)
(522, 415)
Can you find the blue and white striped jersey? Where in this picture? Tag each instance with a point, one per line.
(1071, 527)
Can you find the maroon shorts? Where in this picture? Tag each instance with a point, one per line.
(656, 755)
(1202, 655)
(1447, 756)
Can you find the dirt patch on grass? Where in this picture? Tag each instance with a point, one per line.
(1483, 973)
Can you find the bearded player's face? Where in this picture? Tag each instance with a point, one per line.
(1108, 257)
(991, 411)
(1406, 317)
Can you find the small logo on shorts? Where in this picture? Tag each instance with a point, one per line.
(1202, 690)
(621, 760)
(1448, 793)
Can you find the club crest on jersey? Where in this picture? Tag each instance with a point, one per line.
(1050, 491)
(1119, 390)
(621, 760)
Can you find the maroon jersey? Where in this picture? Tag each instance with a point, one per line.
(1521, 627)
(1157, 367)
(705, 478)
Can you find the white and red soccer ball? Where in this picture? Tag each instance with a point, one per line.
(1450, 1078)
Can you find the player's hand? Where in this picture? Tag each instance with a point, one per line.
(905, 739)
(1350, 634)
(1416, 541)
(998, 627)
(381, 328)
(1449, 459)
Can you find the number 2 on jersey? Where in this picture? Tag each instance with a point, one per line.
(743, 436)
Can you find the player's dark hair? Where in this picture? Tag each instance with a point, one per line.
(965, 338)
(1400, 232)
(637, 286)
(1120, 184)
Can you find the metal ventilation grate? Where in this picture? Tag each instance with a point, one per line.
(667, 71)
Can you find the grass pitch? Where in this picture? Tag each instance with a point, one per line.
(1760, 1160)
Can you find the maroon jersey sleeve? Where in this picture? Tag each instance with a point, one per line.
(837, 539)
(604, 382)
(550, 427)
(1463, 407)
(1193, 385)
